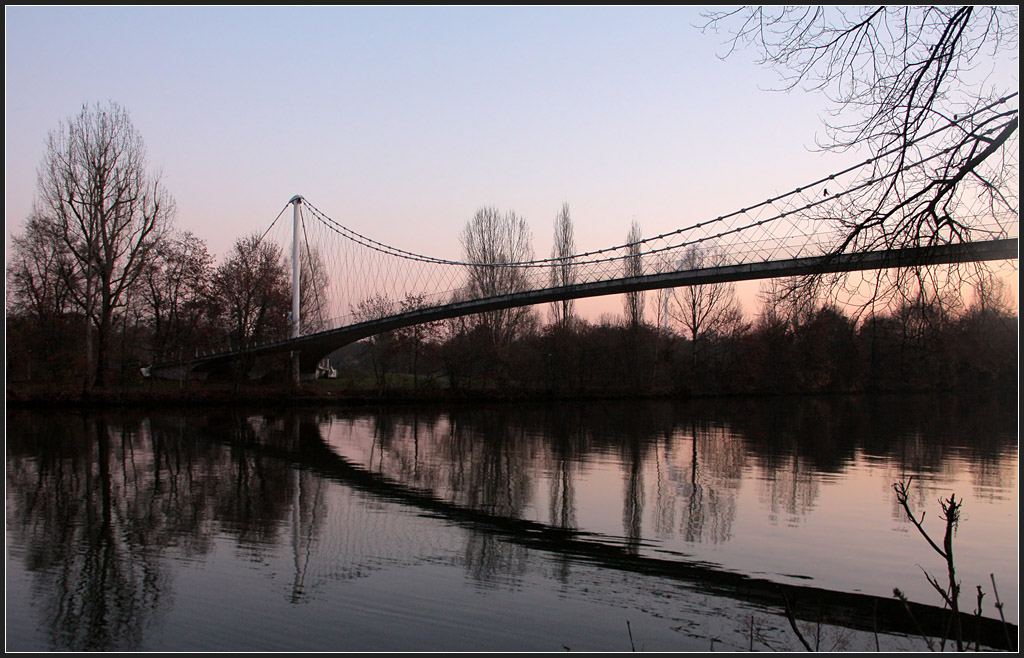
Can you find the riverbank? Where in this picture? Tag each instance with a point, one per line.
(161, 394)
(321, 392)
(21, 395)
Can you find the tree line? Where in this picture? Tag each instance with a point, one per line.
(701, 342)
(918, 346)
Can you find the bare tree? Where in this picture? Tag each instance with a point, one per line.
(563, 269)
(383, 345)
(43, 321)
(251, 292)
(906, 85)
(493, 243)
(633, 265)
(789, 303)
(708, 308)
(41, 276)
(414, 339)
(94, 189)
(175, 290)
(991, 296)
(457, 351)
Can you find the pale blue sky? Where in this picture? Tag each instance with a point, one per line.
(401, 122)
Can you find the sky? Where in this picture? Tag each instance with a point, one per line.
(401, 122)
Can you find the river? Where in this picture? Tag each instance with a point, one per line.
(601, 526)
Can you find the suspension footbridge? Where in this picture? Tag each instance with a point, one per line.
(870, 216)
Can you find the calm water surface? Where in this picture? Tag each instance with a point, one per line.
(598, 526)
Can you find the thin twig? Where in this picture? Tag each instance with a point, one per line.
(792, 621)
(977, 619)
(906, 604)
(874, 623)
(999, 607)
(902, 493)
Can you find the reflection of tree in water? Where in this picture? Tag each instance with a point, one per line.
(92, 555)
(789, 491)
(384, 425)
(819, 432)
(473, 459)
(792, 443)
(944, 437)
(482, 459)
(567, 443)
(991, 476)
(493, 561)
(96, 501)
(494, 462)
(631, 432)
(258, 496)
(633, 492)
(490, 458)
(947, 433)
(397, 438)
(494, 474)
(694, 469)
(677, 469)
(715, 474)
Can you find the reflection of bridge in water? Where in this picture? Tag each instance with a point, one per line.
(301, 443)
(838, 224)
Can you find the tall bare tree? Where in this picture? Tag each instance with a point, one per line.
(708, 308)
(110, 213)
(705, 311)
(633, 265)
(492, 243)
(563, 269)
(991, 296)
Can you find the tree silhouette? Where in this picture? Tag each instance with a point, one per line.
(108, 211)
(705, 309)
(907, 86)
(493, 243)
(563, 270)
(175, 290)
(251, 291)
(633, 266)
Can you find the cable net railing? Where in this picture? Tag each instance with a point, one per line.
(909, 196)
